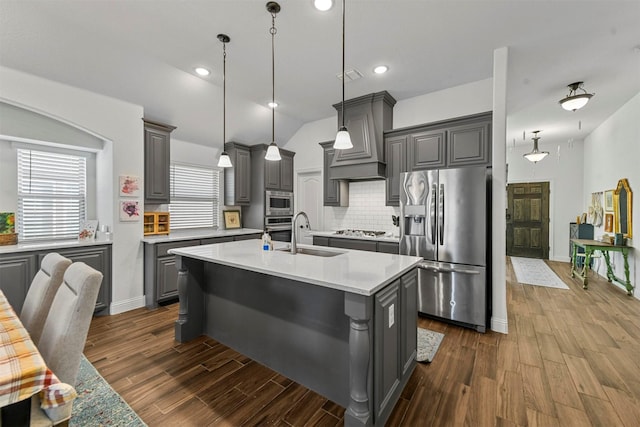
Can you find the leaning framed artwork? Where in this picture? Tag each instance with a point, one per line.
(608, 223)
(608, 201)
(231, 219)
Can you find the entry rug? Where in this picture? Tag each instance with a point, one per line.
(534, 271)
(428, 343)
(98, 404)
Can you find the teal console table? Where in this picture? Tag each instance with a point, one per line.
(590, 246)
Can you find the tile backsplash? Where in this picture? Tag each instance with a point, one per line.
(366, 210)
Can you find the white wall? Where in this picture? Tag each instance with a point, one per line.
(612, 152)
(120, 124)
(564, 173)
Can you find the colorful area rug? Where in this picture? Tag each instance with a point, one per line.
(533, 271)
(98, 404)
(428, 343)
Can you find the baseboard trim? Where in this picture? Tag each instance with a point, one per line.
(126, 305)
(500, 325)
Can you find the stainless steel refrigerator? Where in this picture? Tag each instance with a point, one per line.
(443, 218)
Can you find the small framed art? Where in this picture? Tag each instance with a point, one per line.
(129, 186)
(608, 201)
(88, 229)
(608, 223)
(231, 219)
(129, 210)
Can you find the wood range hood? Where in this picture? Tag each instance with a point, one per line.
(366, 118)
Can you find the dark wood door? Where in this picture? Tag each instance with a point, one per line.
(528, 220)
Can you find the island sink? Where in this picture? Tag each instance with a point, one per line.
(314, 252)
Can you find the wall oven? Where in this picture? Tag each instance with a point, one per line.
(279, 228)
(278, 203)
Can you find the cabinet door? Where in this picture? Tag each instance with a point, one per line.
(320, 241)
(360, 245)
(331, 190)
(16, 274)
(426, 150)
(286, 173)
(396, 158)
(247, 237)
(272, 175)
(156, 166)
(386, 345)
(409, 320)
(211, 240)
(243, 177)
(389, 247)
(167, 278)
(469, 144)
(98, 258)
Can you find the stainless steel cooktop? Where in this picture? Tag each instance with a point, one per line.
(360, 233)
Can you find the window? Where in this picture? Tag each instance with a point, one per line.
(194, 196)
(51, 194)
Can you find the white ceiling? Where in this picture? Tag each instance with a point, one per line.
(144, 52)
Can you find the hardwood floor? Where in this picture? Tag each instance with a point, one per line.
(571, 358)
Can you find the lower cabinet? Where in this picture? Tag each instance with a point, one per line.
(160, 273)
(358, 244)
(18, 270)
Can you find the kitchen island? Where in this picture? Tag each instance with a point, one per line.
(339, 322)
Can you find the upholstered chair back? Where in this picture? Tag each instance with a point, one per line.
(41, 292)
(65, 330)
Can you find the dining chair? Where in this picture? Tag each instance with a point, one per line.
(65, 333)
(41, 292)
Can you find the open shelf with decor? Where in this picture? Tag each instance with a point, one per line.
(156, 223)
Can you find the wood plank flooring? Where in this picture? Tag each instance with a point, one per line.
(571, 358)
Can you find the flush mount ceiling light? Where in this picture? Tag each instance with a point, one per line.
(201, 71)
(273, 153)
(574, 101)
(343, 139)
(225, 160)
(323, 5)
(536, 155)
(381, 69)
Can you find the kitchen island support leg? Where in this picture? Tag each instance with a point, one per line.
(191, 310)
(359, 309)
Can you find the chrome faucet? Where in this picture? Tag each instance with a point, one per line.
(294, 243)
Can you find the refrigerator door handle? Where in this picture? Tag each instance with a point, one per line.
(447, 270)
(433, 214)
(441, 215)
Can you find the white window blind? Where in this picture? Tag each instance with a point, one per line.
(194, 196)
(51, 195)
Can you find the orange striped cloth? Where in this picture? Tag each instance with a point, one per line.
(23, 372)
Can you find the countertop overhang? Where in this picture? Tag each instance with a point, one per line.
(351, 271)
(199, 233)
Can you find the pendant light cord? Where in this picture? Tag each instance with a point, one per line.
(224, 94)
(273, 32)
(343, 76)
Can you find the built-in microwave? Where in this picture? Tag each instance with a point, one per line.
(278, 203)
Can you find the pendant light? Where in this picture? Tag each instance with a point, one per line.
(536, 155)
(343, 139)
(574, 101)
(273, 153)
(225, 160)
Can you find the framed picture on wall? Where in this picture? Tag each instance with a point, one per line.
(231, 219)
(608, 223)
(129, 210)
(129, 186)
(608, 201)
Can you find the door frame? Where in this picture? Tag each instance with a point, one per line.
(299, 174)
(552, 255)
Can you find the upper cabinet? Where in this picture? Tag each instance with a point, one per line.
(278, 175)
(157, 139)
(237, 179)
(335, 192)
(461, 142)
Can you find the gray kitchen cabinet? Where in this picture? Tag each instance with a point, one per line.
(160, 273)
(388, 247)
(279, 175)
(335, 192)
(157, 153)
(99, 258)
(408, 304)
(237, 179)
(460, 142)
(396, 157)
(17, 271)
(358, 244)
(286, 172)
(387, 332)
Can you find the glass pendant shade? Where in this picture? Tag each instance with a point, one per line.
(343, 139)
(224, 161)
(273, 153)
(575, 101)
(536, 155)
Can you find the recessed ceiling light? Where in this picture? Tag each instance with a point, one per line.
(202, 71)
(272, 104)
(323, 5)
(381, 69)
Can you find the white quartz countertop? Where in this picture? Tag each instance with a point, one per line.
(352, 271)
(52, 244)
(385, 238)
(203, 233)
